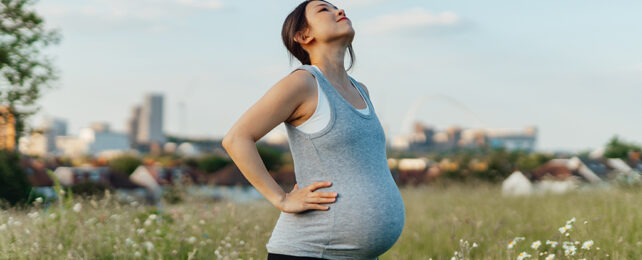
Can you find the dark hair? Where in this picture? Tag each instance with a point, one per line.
(294, 22)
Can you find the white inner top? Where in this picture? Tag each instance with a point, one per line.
(321, 116)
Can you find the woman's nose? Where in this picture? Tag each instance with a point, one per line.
(341, 12)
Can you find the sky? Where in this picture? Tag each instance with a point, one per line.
(571, 68)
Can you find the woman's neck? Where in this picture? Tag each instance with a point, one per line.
(330, 59)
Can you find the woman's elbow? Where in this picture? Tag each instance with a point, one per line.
(227, 141)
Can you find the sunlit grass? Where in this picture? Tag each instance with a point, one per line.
(474, 221)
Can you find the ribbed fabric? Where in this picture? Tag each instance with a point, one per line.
(321, 116)
(368, 216)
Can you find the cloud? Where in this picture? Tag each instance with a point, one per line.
(147, 14)
(410, 19)
(210, 4)
(356, 3)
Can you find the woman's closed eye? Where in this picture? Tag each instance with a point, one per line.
(322, 9)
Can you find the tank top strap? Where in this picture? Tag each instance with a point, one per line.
(363, 93)
(323, 83)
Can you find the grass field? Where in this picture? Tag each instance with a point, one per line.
(439, 222)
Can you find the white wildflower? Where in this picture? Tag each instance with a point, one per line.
(587, 245)
(148, 245)
(552, 243)
(550, 257)
(536, 244)
(570, 221)
(570, 250)
(77, 207)
(191, 240)
(523, 255)
(511, 243)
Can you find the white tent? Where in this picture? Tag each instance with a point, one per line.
(517, 184)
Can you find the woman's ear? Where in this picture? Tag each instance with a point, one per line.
(302, 37)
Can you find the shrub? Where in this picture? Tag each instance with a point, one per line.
(14, 185)
(88, 188)
(125, 164)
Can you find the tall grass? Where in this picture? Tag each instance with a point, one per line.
(439, 222)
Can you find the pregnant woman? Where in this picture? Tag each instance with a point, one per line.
(345, 203)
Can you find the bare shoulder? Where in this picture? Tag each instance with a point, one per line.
(296, 86)
(298, 81)
(364, 88)
(280, 103)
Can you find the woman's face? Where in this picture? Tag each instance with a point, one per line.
(327, 22)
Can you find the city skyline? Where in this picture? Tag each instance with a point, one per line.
(572, 75)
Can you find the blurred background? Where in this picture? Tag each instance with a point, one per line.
(134, 97)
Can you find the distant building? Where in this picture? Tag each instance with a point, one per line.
(42, 140)
(100, 138)
(513, 140)
(93, 140)
(72, 175)
(7, 129)
(54, 127)
(132, 126)
(150, 121)
(426, 138)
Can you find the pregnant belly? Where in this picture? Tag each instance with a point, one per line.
(364, 222)
(367, 224)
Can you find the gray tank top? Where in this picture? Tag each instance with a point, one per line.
(368, 215)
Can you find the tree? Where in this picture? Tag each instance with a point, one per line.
(271, 157)
(24, 70)
(211, 163)
(14, 185)
(619, 149)
(125, 164)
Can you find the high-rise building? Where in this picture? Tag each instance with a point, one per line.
(132, 126)
(54, 127)
(150, 121)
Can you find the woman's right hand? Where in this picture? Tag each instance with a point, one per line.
(306, 198)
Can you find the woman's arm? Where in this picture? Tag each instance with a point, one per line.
(275, 107)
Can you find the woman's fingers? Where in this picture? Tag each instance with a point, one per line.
(319, 184)
(319, 200)
(317, 206)
(324, 194)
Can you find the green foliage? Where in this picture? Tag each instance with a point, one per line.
(619, 149)
(125, 164)
(531, 161)
(24, 71)
(174, 194)
(212, 163)
(88, 188)
(14, 185)
(271, 157)
(65, 198)
(159, 215)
